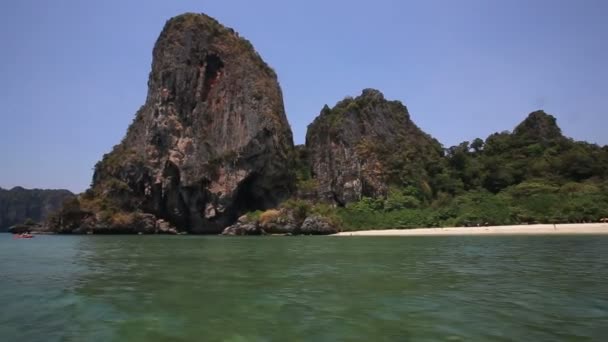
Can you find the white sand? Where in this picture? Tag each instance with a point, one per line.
(538, 229)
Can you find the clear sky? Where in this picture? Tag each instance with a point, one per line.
(73, 73)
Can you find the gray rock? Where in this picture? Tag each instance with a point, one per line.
(243, 229)
(211, 141)
(145, 224)
(243, 219)
(165, 227)
(317, 225)
(349, 147)
(283, 223)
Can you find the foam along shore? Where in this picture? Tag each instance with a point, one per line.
(537, 229)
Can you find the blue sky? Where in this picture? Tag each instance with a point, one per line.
(74, 72)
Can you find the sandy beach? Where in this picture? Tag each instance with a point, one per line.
(537, 229)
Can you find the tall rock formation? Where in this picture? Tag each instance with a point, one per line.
(18, 205)
(539, 126)
(211, 141)
(363, 145)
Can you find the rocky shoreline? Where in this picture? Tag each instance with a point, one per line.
(312, 225)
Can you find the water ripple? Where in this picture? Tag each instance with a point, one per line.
(310, 288)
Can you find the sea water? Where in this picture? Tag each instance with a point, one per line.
(196, 288)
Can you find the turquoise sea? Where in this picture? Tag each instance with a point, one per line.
(196, 288)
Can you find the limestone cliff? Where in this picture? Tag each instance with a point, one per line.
(18, 205)
(364, 145)
(211, 141)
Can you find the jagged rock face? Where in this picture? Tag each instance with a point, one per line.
(352, 147)
(19, 204)
(212, 140)
(317, 225)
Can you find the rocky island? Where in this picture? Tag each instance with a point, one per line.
(211, 151)
(19, 205)
(210, 144)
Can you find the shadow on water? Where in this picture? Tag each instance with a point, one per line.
(163, 288)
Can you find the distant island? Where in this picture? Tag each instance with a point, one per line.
(211, 151)
(19, 205)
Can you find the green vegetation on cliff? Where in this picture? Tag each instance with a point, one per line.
(533, 175)
(363, 146)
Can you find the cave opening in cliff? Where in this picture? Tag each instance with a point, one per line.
(248, 198)
(213, 70)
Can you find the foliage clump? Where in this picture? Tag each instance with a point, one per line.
(534, 175)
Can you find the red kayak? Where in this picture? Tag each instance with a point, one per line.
(24, 236)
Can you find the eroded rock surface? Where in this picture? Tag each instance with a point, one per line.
(317, 225)
(283, 222)
(211, 141)
(353, 147)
